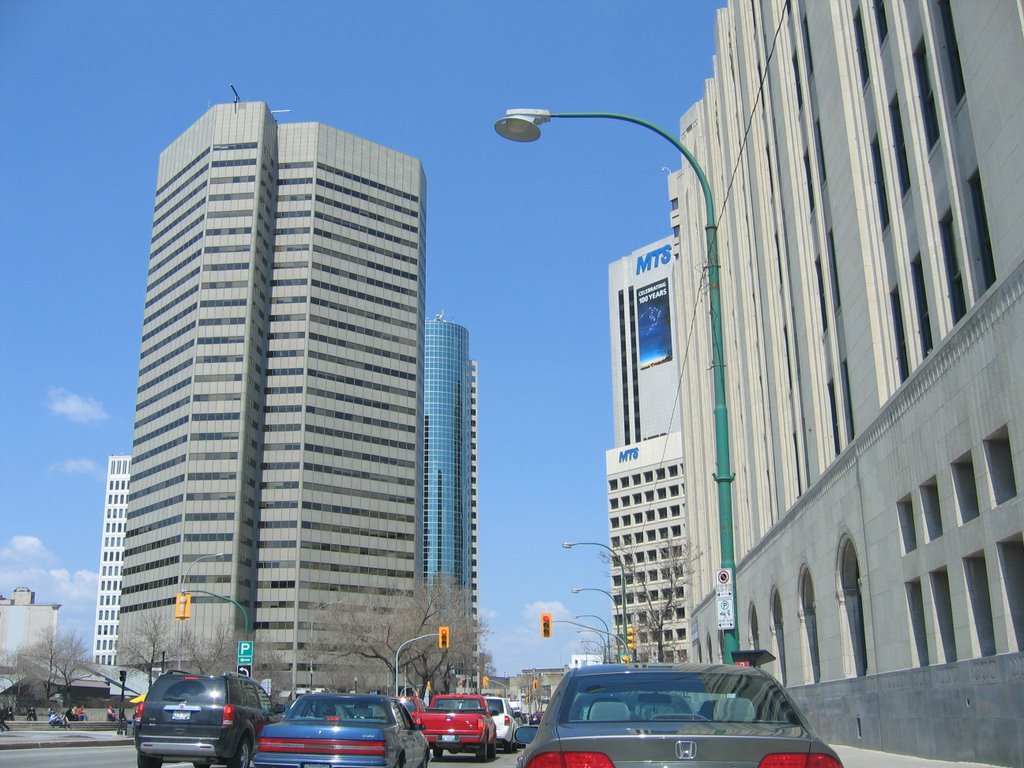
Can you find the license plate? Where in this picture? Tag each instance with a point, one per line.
(181, 715)
(448, 737)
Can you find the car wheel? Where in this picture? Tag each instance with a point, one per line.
(145, 761)
(438, 753)
(242, 755)
(492, 750)
(509, 746)
(481, 752)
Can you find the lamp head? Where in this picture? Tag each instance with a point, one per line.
(522, 124)
(568, 544)
(576, 590)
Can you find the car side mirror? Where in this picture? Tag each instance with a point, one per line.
(495, 712)
(526, 733)
(279, 709)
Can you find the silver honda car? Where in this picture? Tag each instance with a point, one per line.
(684, 715)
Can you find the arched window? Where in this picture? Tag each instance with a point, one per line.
(849, 585)
(780, 636)
(755, 636)
(810, 621)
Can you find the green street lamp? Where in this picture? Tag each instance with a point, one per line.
(617, 561)
(524, 125)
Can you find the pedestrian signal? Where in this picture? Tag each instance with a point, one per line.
(536, 683)
(443, 637)
(183, 606)
(545, 624)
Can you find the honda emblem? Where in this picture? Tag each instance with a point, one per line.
(686, 750)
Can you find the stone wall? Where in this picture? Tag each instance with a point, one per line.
(968, 711)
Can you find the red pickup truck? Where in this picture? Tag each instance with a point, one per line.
(460, 723)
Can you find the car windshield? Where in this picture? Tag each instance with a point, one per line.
(456, 705)
(719, 696)
(338, 709)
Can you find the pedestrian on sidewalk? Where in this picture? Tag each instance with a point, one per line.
(3, 720)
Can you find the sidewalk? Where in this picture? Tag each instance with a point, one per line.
(23, 738)
(854, 757)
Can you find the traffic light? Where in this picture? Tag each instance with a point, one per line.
(183, 606)
(626, 659)
(443, 637)
(630, 638)
(486, 680)
(545, 624)
(536, 683)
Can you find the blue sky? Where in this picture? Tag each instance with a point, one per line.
(518, 241)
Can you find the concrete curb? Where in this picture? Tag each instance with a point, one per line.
(66, 744)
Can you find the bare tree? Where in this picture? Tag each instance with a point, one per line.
(61, 660)
(210, 654)
(143, 641)
(363, 640)
(661, 588)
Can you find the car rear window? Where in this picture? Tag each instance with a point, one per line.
(456, 705)
(677, 695)
(336, 710)
(200, 690)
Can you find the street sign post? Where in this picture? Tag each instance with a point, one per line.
(725, 599)
(245, 651)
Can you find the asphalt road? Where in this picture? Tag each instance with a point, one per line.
(123, 756)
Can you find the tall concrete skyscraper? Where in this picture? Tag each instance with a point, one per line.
(108, 595)
(277, 427)
(646, 499)
(449, 465)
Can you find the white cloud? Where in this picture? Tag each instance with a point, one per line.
(78, 467)
(26, 562)
(23, 549)
(74, 407)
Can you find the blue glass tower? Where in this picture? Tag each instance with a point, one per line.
(449, 457)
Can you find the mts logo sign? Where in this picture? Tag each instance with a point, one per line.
(629, 454)
(653, 259)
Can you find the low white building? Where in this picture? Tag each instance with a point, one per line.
(23, 622)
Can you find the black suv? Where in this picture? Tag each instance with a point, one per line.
(205, 719)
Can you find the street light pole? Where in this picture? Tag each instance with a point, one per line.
(618, 637)
(312, 627)
(397, 652)
(607, 631)
(616, 560)
(181, 588)
(522, 125)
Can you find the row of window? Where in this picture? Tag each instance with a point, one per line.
(996, 453)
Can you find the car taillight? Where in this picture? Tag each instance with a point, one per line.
(798, 760)
(508, 720)
(322, 746)
(142, 706)
(229, 714)
(570, 760)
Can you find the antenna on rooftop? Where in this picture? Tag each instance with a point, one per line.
(237, 97)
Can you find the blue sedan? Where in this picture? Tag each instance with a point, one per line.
(329, 730)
